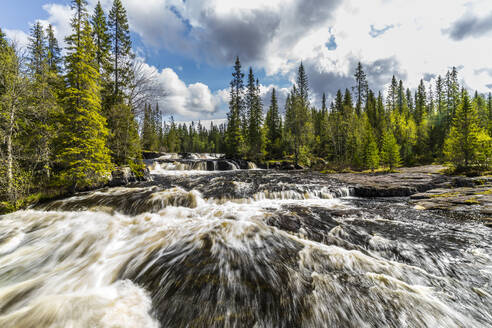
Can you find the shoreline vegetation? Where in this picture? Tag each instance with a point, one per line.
(68, 121)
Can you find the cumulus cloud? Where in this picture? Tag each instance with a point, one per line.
(412, 39)
(59, 16)
(18, 37)
(216, 31)
(470, 25)
(192, 100)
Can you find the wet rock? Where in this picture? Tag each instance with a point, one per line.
(151, 154)
(284, 166)
(401, 184)
(124, 175)
(476, 199)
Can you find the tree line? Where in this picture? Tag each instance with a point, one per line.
(68, 118)
(360, 128)
(159, 136)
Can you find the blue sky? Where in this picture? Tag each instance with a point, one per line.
(190, 45)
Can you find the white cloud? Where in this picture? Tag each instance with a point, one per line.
(424, 37)
(193, 100)
(18, 37)
(59, 17)
(277, 35)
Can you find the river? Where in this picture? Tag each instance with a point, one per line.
(241, 248)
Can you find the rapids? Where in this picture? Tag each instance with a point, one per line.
(241, 248)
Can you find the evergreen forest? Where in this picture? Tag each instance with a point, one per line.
(69, 117)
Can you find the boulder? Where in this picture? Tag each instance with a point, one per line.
(124, 175)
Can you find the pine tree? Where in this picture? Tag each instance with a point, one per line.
(297, 120)
(84, 156)
(462, 147)
(43, 112)
(235, 118)
(420, 103)
(323, 104)
(54, 52)
(489, 108)
(390, 151)
(147, 129)
(273, 126)
(401, 100)
(410, 101)
(303, 86)
(101, 39)
(37, 50)
(392, 94)
(370, 151)
(255, 118)
(361, 88)
(339, 102)
(121, 49)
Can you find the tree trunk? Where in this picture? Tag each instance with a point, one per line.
(10, 157)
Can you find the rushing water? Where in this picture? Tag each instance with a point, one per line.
(243, 248)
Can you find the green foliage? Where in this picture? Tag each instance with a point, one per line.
(151, 129)
(255, 136)
(467, 144)
(361, 88)
(54, 53)
(390, 151)
(121, 49)
(84, 156)
(370, 147)
(273, 125)
(297, 116)
(101, 39)
(236, 118)
(67, 131)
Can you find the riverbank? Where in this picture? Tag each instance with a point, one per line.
(428, 189)
(120, 176)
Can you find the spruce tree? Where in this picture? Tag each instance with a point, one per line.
(323, 103)
(297, 120)
(370, 147)
(392, 94)
(124, 140)
(147, 128)
(121, 49)
(37, 50)
(236, 120)
(361, 88)
(255, 117)
(420, 103)
(54, 52)
(84, 157)
(489, 109)
(273, 126)
(339, 102)
(43, 112)
(462, 147)
(101, 39)
(401, 100)
(410, 101)
(390, 151)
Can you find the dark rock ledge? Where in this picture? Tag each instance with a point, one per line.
(428, 190)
